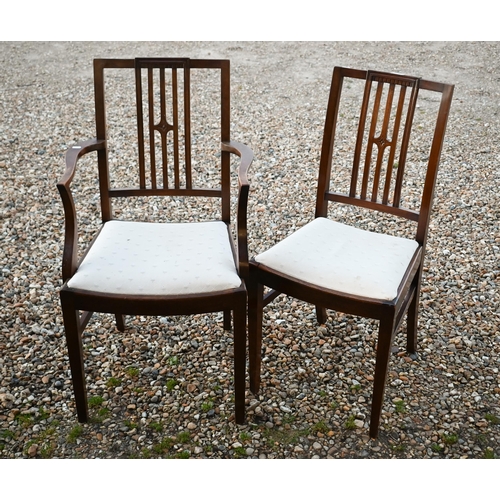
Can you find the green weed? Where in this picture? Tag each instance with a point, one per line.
(173, 360)
(75, 433)
(132, 371)
(156, 426)
(184, 437)
(349, 423)
(95, 401)
(171, 383)
(130, 425)
(493, 419)
(113, 382)
(206, 406)
(436, 448)
(240, 451)
(320, 427)
(24, 420)
(6, 434)
(163, 446)
(275, 437)
(450, 439)
(399, 447)
(245, 436)
(400, 406)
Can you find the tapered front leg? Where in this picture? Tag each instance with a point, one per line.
(75, 353)
(255, 311)
(412, 318)
(386, 332)
(240, 356)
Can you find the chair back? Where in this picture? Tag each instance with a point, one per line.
(167, 117)
(385, 152)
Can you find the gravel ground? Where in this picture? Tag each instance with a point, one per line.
(164, 389)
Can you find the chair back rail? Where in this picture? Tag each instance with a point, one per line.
(164, 129)
(384, 129)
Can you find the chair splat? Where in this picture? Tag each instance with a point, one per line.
(382, 142)
(169, 132)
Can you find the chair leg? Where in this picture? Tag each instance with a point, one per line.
(240, 355)
(386, 332)
(75, 353)
(120, 322)
(227, 320)
(321, 315)
(412, 323)
(255, 311)
(412, 318)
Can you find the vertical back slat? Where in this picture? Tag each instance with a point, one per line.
(359, 138)
(394, 141)
(187, 124)
(152, 148)
(175, 119)
(140, 127)
(383, 142)
(369, 146)
(404, 143)
(162, 128)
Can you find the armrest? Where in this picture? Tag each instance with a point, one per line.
(70, 252)
(246, 156)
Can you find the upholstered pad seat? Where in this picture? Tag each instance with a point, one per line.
(142, 258)
(343, 258)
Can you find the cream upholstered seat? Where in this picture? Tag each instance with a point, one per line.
(343, 258)
(146, 258)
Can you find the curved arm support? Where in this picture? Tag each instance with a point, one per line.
(246, 156)
(70, 253)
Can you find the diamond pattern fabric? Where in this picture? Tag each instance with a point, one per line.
(142, 258)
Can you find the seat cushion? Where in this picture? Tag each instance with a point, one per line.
(343, 258)
(143, 258)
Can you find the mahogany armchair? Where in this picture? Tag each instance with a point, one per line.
(362, 271)
(165, 267)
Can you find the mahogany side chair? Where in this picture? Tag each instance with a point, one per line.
(333, 262)
(159, 267)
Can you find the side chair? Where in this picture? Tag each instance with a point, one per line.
(373, 162)
(174, 146)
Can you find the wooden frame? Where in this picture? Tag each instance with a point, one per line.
(79, 305)
(371, 137)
